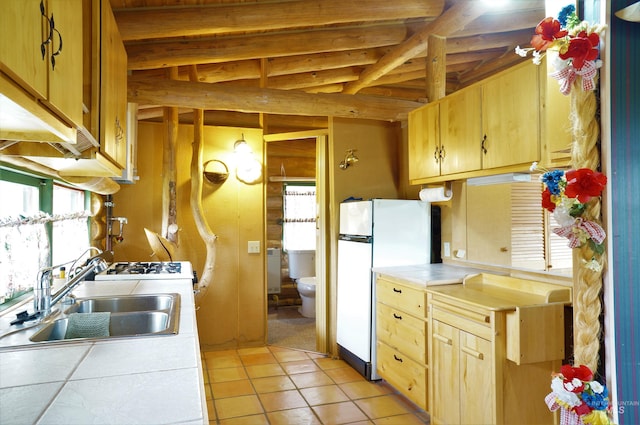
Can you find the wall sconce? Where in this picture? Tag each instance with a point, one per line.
(249, 169)
(349, 159)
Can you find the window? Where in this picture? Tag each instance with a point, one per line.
(299, 227)
(40, 224)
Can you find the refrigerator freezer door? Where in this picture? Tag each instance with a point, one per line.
(354, 295)
(401, 232)
(356, 218)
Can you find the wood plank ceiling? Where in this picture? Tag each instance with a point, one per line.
(291, 63)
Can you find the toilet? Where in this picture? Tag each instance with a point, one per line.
(302, 269)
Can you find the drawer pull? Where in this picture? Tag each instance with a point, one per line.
(396, 316)
(443, 339)
(478, 355)
(399, 291)
(397, 358)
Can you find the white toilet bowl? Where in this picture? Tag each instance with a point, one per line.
(307, 289)
(302, 268)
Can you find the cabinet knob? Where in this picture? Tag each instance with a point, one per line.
(483, 145)
(397, 316)
(397, 358)
(436, 155)
(443, 153)
(398, 291)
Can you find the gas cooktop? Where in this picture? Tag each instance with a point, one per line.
(147, 270)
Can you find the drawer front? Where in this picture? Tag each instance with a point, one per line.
(466, 320)
(404, 374)
(402, 331)
(407, 299)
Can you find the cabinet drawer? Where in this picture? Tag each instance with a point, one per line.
(402, 297)
(405, 375)
(402, 331)
(467, 320)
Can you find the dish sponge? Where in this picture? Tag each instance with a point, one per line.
(88, 325)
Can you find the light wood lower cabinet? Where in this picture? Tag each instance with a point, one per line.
(401, 329)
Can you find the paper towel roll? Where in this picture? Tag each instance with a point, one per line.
(435, 194)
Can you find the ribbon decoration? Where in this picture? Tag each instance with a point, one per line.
(567, 75)
(581, 230)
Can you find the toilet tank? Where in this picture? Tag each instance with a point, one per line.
(302, 263)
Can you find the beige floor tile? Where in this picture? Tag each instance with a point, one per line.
(246, 420)
(339, 413)
(253, 350)
(328, 363)
(301, 416)
(362, 389)
(272, 384)
(232, 388)
(263, 370)
(342, 375)
(216, 360)
(290, 355)
(238, 406)
(282, 400)
(407, 419)
(227, 374)
(380, 407)
(312, 379)
(301, 366)
(258, 358)
(323, 395)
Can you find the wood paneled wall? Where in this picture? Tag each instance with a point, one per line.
(233, 310)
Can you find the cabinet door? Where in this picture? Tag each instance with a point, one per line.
(445, 375)
(22, 31)
(461, 131)
(65, 78)
(477, 404)
(113, 89)
(511, 116)
(424, 142)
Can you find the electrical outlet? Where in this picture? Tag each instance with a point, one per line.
(253, 247)
(446, 249)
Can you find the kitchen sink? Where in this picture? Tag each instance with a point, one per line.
(123, 304)
(131, 316)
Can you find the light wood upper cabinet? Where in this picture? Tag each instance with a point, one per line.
(424, 142)
(460, 131)
(22, 32)
(511, 117)
(32, 36)
(113, 90)
(490, 127)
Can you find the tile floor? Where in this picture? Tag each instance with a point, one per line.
(279, 386)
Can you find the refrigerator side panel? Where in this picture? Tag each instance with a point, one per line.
(401, 233)
(354, 294)
(356, 218)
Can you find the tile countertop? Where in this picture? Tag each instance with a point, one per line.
(429, 274)
(148, 380)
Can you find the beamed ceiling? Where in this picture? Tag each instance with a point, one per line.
(292, 63)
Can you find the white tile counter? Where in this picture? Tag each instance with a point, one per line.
(428, 274)
(146, 380)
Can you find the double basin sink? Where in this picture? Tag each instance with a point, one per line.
(131, 316)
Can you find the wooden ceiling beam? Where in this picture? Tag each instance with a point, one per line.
(185, 94)
(453, 19)
(155, 23)
(225, 49)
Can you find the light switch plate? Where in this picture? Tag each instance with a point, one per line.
(253, 247)
(447, 249)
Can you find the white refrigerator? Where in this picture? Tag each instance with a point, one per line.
(375, 233)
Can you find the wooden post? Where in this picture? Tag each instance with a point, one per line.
(169, 209)
(197, 210)
(436, 65)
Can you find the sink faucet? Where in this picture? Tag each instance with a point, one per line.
(43, 300)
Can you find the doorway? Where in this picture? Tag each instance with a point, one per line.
(289, 158)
